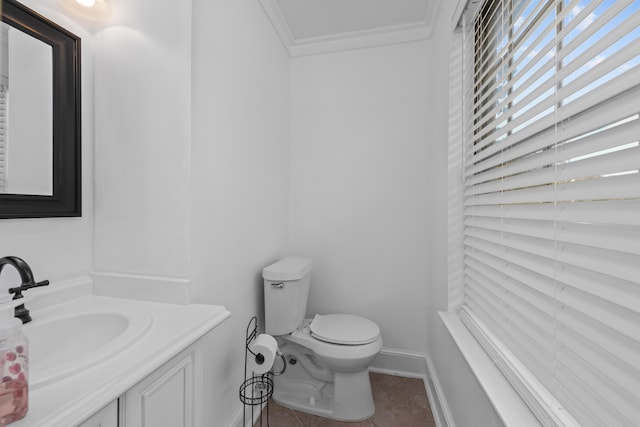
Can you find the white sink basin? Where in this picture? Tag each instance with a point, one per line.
(64, 344)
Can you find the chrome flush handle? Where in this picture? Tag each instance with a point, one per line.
(278, 285)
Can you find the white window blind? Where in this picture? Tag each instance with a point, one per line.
(4, 95)
(3, 139)
(552, 204)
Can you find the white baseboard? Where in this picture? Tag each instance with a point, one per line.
(149, 288)
(439, 407)
(402, 363)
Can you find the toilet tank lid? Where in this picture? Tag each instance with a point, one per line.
(288, 268)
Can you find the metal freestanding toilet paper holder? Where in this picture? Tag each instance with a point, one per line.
(256, 389)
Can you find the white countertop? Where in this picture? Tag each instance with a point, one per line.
(67, 402)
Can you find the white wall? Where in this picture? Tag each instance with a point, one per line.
(143, 139)
(360, 184)
(468, 404)
(239, 176)
(59, 248)
(192, 161)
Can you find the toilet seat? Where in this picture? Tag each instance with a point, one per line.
(344, 329)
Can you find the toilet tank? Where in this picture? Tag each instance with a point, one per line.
(286, 288)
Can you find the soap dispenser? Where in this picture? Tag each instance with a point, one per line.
(14, 389)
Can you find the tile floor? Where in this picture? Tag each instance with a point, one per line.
(400, 402)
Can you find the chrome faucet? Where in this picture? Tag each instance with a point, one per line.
(26, 276)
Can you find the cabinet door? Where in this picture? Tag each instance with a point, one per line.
(164, 398)
(106, 417)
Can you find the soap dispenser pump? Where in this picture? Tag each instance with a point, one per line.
(14, 388)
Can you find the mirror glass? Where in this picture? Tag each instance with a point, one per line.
(27, 113)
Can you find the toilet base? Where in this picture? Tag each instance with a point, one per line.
(347, 398)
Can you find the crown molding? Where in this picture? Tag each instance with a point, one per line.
(380, 36)
(274, 14)
(360, 39)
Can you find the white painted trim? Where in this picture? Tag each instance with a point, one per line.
(360, 39)
(146, 288)
(439, 406)
(509, 406)
(350, 40)
(457, 14)
(455, 173)
(274, 14)
(467, 10)
(416, 365)
(538, 398)
(399, 362)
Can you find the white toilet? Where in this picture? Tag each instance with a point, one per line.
(327, 356)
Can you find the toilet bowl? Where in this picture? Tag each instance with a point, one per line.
(324, 378)
(327, 356)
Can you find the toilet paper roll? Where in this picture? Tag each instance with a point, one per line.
(264, 350)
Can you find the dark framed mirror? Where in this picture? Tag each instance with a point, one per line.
(47, 145)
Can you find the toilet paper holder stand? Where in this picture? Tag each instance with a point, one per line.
(256, 389)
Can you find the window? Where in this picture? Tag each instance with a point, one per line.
(552, 204)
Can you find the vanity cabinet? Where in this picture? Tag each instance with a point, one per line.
(106, 417)
(148, 371)
(165, 398)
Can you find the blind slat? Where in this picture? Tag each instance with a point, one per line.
(621, 239)
(541, 276)
(601, 188)
(596, 167)
(615, 264)
(621, 212)
(607, 139)
(610, 112)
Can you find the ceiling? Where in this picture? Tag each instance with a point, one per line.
(309, 27)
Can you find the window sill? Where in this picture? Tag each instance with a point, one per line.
(510, 407)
